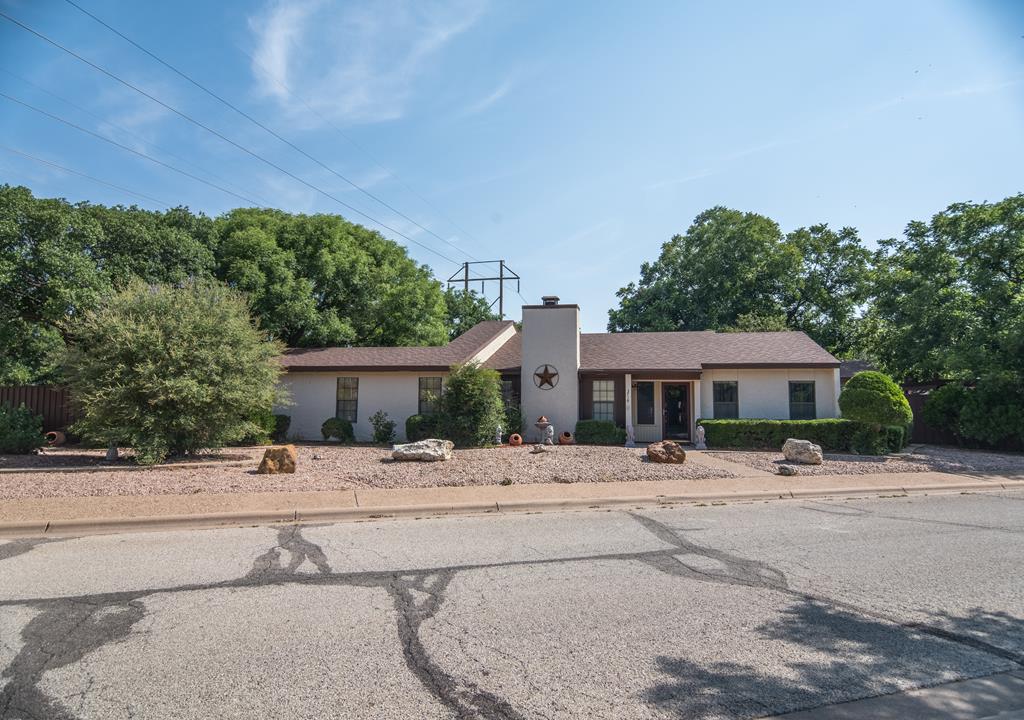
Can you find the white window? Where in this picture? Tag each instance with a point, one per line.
(348, 399)
(604, 400)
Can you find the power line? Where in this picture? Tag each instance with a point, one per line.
(152, 159)
(82, 174)
(262, 126)
(224, 138)
(97, 118)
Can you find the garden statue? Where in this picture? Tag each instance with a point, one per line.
(549, 435)
(497, 435)
(701, 445)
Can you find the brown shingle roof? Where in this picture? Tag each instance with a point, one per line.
(508, 356)
(396, 358)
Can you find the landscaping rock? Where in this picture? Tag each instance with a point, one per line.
(802, 451)
(538, 449)
(788, 470)
(277, 460)
(431, 450)
(666, 451)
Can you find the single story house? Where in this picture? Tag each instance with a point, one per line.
(654, 384)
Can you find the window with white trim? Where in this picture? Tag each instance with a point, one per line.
(604, 400)
(429, 395)
(348, 399)
(727, 397)
(801, 401)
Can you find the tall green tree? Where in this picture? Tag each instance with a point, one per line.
(736, 271)
(464, 310)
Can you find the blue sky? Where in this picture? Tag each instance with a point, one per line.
(571, 139)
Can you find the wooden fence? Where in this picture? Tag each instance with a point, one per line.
(50, 401)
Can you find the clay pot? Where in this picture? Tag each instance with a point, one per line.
(565, 438)
(542, 419)
(55, 438)
(515, 440)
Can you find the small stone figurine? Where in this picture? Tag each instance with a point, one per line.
(497, 435)
(700, 445)
(549, 435)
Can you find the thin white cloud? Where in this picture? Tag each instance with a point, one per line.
(352, 64)
(485, 102)
(679, 180)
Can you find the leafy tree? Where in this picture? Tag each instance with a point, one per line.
(170, 370)
(21, 430)
(464, 310)
(735, 271)
(471, 406)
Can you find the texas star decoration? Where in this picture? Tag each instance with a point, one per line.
(546, 377)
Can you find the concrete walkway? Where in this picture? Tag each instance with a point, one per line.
(78, 515)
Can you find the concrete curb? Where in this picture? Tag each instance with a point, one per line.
(97, 526)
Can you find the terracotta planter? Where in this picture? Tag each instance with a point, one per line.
(55, 438)
(515, 440)
(565, 438)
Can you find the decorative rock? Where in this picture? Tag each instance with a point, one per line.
(788, 470)
(278, 459)
(538, 449)
(431, 450)
(666, 451)
(802, 451)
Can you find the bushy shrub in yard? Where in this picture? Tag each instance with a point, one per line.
(421, 427)
(338, 428)
(281, 425)
(471, 407)
(993, 412)
(943, 407)
(513, 420)
(170, 369)
(832, 434)
(874, 398)
(263, 429)
(383, 428)
(21, 430)
(599, 432)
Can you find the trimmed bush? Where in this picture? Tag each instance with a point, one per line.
(471, 406)
(421, 427)
(263, 428)
(513, 420)
(994, 412)
(832, 434)
(281, 425)
(21, 430)
(599, 432)
(943, 407)
(867, 440)
(874, 398)
(897, 437)
(338, 428)
(383, 428)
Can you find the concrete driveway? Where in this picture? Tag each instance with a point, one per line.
(734, 611)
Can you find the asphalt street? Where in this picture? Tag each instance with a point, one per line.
(730, 611)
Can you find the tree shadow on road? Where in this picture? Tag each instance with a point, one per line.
(815, 654)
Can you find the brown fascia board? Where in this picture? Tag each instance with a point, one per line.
(767, 366)
(368, 369)
(550, 307)
(677, 373)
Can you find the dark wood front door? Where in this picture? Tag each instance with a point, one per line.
(676, 410)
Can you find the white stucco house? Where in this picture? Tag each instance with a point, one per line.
(657, 384)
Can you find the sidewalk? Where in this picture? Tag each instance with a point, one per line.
(98, 514)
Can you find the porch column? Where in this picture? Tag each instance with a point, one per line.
(630, 436)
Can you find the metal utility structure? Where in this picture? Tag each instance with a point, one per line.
(505, 274)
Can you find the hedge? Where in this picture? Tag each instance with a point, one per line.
(421, 427)
(21, 430)
(599, 432)
(834, 435)
(339, 428)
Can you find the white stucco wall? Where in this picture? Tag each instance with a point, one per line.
(314, 399)
(765, 393)
(551, 335)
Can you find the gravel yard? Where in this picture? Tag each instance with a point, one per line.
(926, 459)
(349, 467)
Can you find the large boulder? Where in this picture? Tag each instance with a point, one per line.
(278, 459)
(666, 451)
(802, 451)
(430, 450)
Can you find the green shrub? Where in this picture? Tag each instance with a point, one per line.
(281, 425)
(896, 437)
(338, 428)
(21, 431)
(943, 407)
(834, 435)
(874, 398)
(383, 428)
(993, 412)
(471, 406)
(599, 432)
(263, 424)
(170, 369)
(513, 420)
(869, 440)
(421, 427)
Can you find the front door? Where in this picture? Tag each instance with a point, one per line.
(676, 410)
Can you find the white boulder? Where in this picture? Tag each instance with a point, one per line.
(424, 450)
(802, 451)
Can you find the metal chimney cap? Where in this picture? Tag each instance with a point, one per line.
(549, 299)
